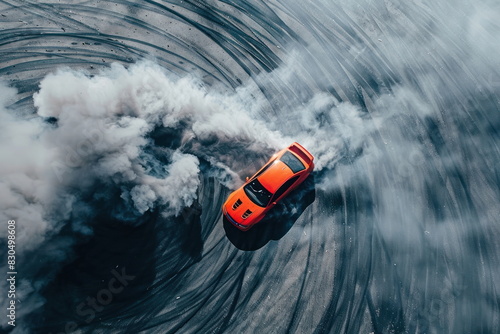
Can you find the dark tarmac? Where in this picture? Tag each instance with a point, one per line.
(396, 231)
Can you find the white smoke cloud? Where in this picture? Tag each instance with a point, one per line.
(176, 191)
(103, 123)
(24, 189)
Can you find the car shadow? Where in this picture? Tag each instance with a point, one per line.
(277, 222)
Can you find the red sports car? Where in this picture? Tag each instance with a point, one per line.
(286, 169)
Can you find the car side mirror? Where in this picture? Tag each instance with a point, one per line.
(274, 203)
(247, 178)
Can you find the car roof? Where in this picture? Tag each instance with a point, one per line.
(275, 175)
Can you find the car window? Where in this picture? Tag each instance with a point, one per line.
(284, 188)
(257, 193)
(293, 162)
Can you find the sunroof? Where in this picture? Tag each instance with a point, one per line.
(293, 162)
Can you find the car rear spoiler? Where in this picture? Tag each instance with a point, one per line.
(301, 152)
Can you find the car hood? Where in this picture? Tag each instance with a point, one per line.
(238, 204)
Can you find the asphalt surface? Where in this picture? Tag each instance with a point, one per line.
(126, 124)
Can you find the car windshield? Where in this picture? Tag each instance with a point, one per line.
(257, 193)
(293, 162)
